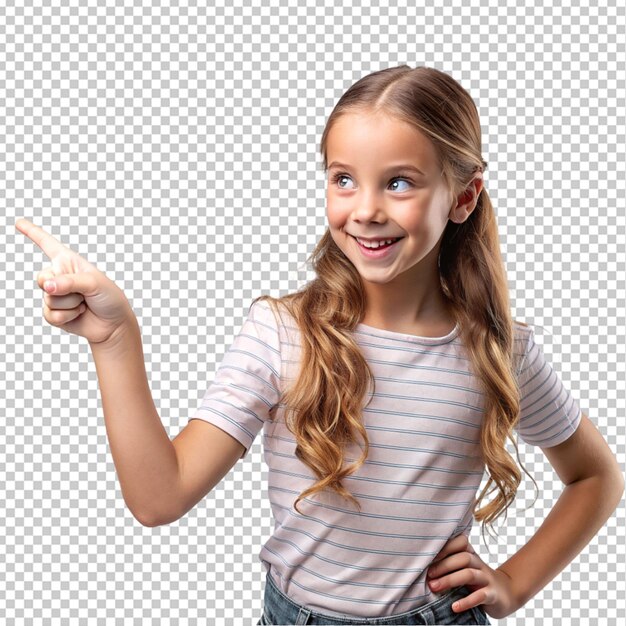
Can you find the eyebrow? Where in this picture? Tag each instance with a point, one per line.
(393, 168)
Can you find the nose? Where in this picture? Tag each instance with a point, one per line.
(368, 207)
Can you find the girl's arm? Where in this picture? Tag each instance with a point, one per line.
(144, 456)
(160, 479)
(594, 486)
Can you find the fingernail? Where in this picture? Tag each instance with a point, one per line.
(434, 584)
(50, 285)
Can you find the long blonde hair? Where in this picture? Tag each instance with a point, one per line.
(324, 405)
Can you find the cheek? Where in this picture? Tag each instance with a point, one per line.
(336, 218)
(421, 218)
(415, 222)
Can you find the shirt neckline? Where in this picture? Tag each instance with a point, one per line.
(391, 334)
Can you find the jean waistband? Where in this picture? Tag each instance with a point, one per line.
(281, 605)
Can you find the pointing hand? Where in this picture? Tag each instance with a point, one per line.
(83, 301)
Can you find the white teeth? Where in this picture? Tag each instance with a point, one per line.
(374, 244)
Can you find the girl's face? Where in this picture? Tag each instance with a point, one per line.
(372, 194)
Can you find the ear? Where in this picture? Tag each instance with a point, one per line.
(466, 201)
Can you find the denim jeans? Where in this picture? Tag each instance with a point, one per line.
(279, 609)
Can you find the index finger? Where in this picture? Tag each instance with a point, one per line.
(50, 246)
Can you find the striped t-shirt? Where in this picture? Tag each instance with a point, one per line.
(419, 483)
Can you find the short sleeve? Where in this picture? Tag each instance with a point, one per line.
(549, 414)
(247, 383)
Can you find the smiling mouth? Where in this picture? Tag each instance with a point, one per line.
(380, 247)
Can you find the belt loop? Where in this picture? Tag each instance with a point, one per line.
(303, 616)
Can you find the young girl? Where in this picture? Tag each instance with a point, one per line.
(384, 388)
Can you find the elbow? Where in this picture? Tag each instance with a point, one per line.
(618, 482)
(152, 520)
(620, 492)
(151, 517)
(621, 483)
(161, 514)
(613, 487)
(147, 522)
(147, 519)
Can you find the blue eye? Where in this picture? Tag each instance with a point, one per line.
(337, 177)
(404, 180)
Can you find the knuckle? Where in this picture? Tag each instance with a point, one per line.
(52, 316)
(53, 302)
(90, 282)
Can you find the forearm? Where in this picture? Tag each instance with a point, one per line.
(144, 456)
(581, 510)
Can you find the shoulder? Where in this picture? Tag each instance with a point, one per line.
(272, 316)
(523, 340)
(523, 331)
(268, 310)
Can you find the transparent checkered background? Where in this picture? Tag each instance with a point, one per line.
(176, 147)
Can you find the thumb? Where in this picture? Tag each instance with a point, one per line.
(84, 283)
(44, 275)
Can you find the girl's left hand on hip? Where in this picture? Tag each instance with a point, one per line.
(457, 564)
